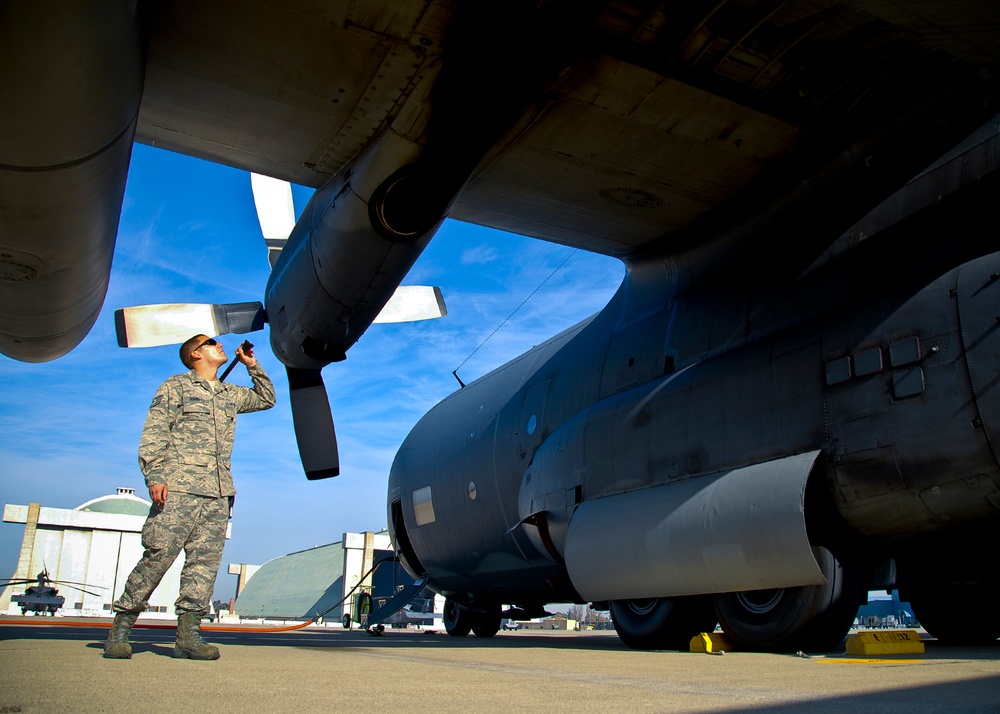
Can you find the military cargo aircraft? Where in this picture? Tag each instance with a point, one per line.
(791, 399)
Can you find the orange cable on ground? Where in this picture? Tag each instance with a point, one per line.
(157, 626)
(288, 628)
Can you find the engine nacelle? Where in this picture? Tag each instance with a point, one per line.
(353, 244)
(70, 96)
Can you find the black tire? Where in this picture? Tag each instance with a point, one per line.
(944, 612)
(811, 618)
(662, 623)
(457, 620)
(486, 624)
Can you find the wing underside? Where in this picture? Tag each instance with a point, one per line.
(659, 114)
(705, 132)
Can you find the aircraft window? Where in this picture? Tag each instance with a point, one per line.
(905, 351)
(908, 383)
(532, 424)
(868, 362)
(472, 490)
(423, 506)
(839, 370)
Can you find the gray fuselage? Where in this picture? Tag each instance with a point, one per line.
(891, 381)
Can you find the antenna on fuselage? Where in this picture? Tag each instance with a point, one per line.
(497, 329)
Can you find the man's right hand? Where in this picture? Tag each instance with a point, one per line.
(158, 492)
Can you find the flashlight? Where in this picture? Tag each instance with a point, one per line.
(246, 346)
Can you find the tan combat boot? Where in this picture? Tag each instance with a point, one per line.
(117, 646)
(189, 642)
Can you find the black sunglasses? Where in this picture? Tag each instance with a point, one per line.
(211, 342)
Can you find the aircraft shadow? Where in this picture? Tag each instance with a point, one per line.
(961, 696)
(160, 641)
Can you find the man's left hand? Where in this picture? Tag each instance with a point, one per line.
(247, 357)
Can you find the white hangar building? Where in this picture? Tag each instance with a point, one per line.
(97, 544)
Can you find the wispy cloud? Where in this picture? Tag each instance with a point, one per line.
(480, 255)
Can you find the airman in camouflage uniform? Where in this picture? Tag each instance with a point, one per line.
(184, 452)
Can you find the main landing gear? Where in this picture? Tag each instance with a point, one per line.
(662, 623)
(460, 620)
(951, 584)
(811, 618)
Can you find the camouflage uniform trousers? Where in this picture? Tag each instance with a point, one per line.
(194, 524)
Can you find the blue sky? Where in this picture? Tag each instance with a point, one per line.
(189, 233)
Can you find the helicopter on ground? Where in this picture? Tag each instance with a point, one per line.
(43, 598)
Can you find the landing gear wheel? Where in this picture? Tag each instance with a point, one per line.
(457, 620)
(944, 612)
(811, 618)
(662, 623)
(486, 624)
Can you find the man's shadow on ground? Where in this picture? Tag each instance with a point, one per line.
(139, 648)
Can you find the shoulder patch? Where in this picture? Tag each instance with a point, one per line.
(156, 400)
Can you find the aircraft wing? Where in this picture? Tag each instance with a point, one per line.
(658, 115)
(664, 127)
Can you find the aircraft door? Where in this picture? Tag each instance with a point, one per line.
(978, 311)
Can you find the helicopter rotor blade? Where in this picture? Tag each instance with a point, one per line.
(86, 585)
(80, 589)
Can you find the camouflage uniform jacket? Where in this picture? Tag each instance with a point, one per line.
(188, 436)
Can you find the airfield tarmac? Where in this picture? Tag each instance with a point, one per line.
(60, 669)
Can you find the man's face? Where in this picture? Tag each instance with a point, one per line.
(210, 351)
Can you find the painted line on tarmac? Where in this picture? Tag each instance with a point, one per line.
(873, 661)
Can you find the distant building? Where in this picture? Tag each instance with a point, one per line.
(301, 585)
(550, 623)
(559, 623)
(94, 545)
(885, 610)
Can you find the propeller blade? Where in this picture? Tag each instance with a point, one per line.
(170, 324)
(411, 303)
(275, 211)
(313, 421)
